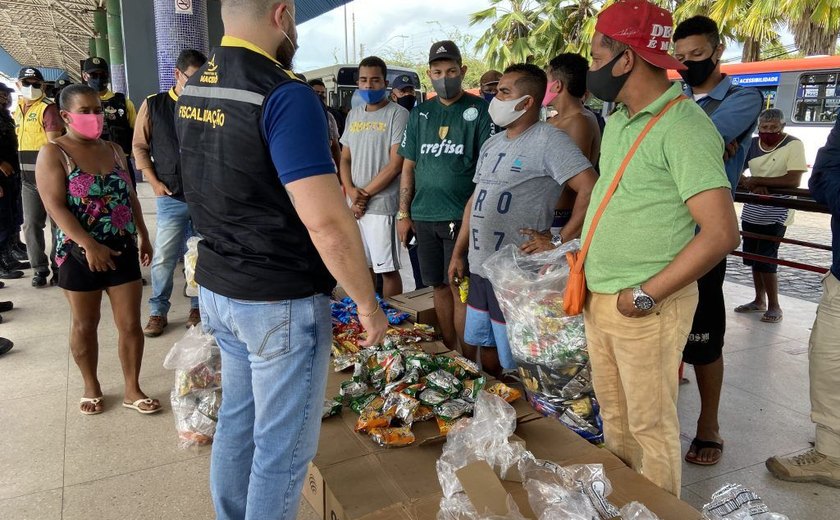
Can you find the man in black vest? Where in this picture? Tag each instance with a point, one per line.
(263, 194)
(157, 155)
(119, 111)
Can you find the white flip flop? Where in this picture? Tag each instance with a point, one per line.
(147, 401)
(95, 401)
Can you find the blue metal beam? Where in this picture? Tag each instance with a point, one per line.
(306, 10)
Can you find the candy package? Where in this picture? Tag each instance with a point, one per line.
(190, 261)
(735, 502)
(392, 437)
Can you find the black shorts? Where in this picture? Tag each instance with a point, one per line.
(762, 247)
(705, 343)
(481, 297)
(75, 274)
(434, 250)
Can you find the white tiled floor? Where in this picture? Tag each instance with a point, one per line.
(56, 463)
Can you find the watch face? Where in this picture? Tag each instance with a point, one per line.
(643, 302)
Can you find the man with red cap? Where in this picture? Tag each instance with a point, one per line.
(644, 257)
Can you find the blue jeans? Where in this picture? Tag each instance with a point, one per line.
(173, 220)
(275, 357)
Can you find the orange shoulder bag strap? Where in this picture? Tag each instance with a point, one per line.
(576, 287)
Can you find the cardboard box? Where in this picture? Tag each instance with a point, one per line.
(352, 478)
(420, 305)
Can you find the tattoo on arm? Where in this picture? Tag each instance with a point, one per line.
(405, 198)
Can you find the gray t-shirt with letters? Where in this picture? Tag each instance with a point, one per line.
(370, 136)
(518, 182)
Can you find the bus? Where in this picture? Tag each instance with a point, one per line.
(806, 90)
(340, 81)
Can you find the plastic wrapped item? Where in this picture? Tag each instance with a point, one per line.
(637, 511)
(548, 346)
(332, 407)
(190, 261)
(393, 437)
(505, 392)
(196, 395)
(444, 382)
(736, 502)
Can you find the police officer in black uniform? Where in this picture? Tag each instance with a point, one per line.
(119, 111)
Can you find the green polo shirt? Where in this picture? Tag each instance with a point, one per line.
(647, 223)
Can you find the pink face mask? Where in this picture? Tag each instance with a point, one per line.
(549, 95)
(88, 126)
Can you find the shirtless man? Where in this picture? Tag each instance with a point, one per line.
(565, 94)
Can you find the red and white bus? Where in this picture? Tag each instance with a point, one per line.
(807, 90)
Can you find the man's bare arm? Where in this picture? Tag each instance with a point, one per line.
(387, 174)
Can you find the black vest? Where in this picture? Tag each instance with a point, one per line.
(254, 245)
(117, 127)
(164, 145)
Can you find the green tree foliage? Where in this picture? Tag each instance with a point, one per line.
(535, 31)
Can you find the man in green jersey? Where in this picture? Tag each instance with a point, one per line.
(441, 147)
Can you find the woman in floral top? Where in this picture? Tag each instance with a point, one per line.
(101, 243)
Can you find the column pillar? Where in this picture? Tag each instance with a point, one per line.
(100, 24)
(115, 46)
(177, 29)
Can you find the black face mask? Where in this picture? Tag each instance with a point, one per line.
(603, 84)
(407, 102)
(697, 71)
(98, 83)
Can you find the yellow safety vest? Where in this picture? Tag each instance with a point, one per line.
(29, 126)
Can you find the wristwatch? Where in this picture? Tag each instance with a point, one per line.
(557, 240)
(402, 215)
(642, 300)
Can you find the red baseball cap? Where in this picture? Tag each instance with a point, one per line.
(645, 27)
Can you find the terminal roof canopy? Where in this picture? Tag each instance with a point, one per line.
(55, 33)
(47, 33)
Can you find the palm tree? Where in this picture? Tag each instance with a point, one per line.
(509, 38)
(815, 24)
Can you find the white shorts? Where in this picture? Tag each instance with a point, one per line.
(382, 245)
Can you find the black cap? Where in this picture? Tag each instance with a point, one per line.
(94, 64)
(402, 81)
(445, 50)
(30, 73)
(63, 82)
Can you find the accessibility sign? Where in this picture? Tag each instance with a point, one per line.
(765, 79)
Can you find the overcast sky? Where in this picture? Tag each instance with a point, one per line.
(381, 24)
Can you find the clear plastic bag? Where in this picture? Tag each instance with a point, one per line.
(197, 394)
(736, 502)
(637, 511)
(575, 492)
(194, 348)
(190, 261)
(549, 347)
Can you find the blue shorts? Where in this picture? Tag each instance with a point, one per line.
(485, 325)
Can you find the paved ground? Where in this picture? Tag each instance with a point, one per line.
(57, 464)
(805, 285)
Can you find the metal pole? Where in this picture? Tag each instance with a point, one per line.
(100, 24)
(115, 46)
(346, 45)
(354, 38)
(91, 46)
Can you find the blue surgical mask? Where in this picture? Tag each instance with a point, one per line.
(372, 97)
(488, 96)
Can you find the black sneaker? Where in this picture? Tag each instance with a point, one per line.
(6, 306)
(5, 345)
(40, 279)
(54, 280)
(10, 274)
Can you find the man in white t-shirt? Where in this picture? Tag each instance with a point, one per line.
(370, 169)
